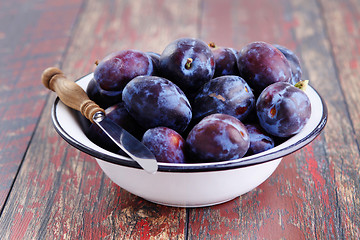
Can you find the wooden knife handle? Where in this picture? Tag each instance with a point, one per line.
(69, 92)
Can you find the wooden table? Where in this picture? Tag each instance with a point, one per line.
(50, 190)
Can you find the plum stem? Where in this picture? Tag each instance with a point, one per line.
(212, 45)
(97, 62)
(188, 63)
(302, 85)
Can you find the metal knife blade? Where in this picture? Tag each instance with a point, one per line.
(127, 142)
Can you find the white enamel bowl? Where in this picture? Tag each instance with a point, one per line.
(188, 185)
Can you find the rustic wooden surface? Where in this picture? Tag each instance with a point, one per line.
(49, 190)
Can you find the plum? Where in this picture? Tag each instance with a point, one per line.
(188, 62)
(102, 97)
(259, 140)
(294, 61)
(225, 60)
(118, 68)
(217, 137)
(155, 58)
(261, 64)
(166, 144)
(282, 109)
(226, 94)
(155, 101)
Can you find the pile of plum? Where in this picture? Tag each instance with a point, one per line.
(201, 103)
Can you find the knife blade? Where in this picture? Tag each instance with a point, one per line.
(75, 97)
(127, 142)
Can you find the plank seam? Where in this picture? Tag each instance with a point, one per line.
(187, 222)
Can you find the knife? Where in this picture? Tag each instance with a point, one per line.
(75, 97)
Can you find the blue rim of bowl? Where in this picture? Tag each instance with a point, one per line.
(197, 167)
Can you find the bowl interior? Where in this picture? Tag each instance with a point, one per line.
(67, 125)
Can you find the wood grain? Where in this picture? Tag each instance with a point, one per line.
(60, 193)
(69, 197)
(70, 93)
(342, 19)
(311, 195)
(31, 38)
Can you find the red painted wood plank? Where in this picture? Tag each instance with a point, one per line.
(342, 150)
(60, 192)
(313, 193)
(236, 23)
(31, 37)
(342, 19)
